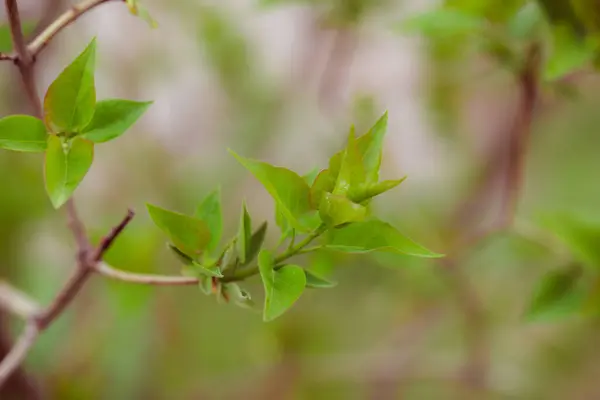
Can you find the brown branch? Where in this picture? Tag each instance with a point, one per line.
(17, 354)
(43, 39)
(7, 57)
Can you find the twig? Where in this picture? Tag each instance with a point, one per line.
(6, 57)
(19, 351)
(143, 279)
(43, 39)
(17, 302)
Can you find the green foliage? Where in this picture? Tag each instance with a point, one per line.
(112, 118)
(244, 237)
(558, 294)
(70, 100)
(581, 236)
(211, 213)
(317, 282)
(190, 235)
(66, 164)
(283, 286)
(374, 235)
(23, 133)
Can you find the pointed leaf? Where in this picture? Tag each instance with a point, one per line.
(188, 234)
(65, 167)
(556, 295)
(208, 270)
(352, 172)
(337, 210)
(256, 242)
(23, 133)
(238, 295)
(112, 118)
(139, 10)
(288, 189)
(71, 98)
(244, 235)
(374, 235)
(210, 212)
(323, 183)
(282, 287)
(366, 192)
(184, 258)
(205, 285)
(317, 282)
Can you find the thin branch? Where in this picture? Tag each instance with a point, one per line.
(17, 354)
(109, 239)
(7, 57)
(17, 302)
(143, 279)
(44, 38)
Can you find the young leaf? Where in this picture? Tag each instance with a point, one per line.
(65, 167)
(337, 210)
(239, 296)
(323, 183)
(137, 9)
(317, 282)
(210, 212)
(282, 287)
(244, 236)
(374, 235)
(556, 295)
(184, 258)
(190, 235)
(70, 100)
(23, 133)
(365, 192)
(208, 270)
(205, 284)
(256, 242)
(288, 189)
(112, 118)
(352, 172)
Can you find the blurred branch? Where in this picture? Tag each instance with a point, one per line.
(43, 39)
(7, 57)
(143, 279)
(17, 302)
(17, 354)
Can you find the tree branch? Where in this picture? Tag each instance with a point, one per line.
(143, 279)
(17, 302)
(43, 39)
(19, 351)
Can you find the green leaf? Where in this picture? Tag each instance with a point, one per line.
(569, 52)
(288, 189)
(556, 295)
(352, 172)
(188, 234)
(23, 133)
(580, 234)
(317, 282)
(282, 287)
(238, 295)
(65, 167)
(366, 192)
(208, 270)
(527, 22)
(139, 10)
(443, 23)
(112, 118)
(374, 235)
(337, 210)
(244, 236)
(184, 258)
(205, 284)
(323, 183)
(70, 100)
(256, 242)
(210, 212)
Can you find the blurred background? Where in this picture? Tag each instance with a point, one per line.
(283, 81)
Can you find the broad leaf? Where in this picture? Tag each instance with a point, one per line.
(282, 287)
(112, 118)
(374, 235)
(581, 235)
(556, 295)
(288, 189)
(66, 166)
(190, 235)
(337, 210)
(70, 100)
(210, 212)
(317, 282)
(244, 236)
(23, 133)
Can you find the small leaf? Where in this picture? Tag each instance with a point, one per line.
(139, 10)
(256, 242)
(352, 171)
(316, 282)
(205, 284)
(337, 210)
(65, 167)
(366, 192)
(556, 295)
(288, 189)
(112, 118)
(238, 295)
(184, 258)
(210, 212)
(244, 236)
(443, 23)
(324, 182)
(70, 100)
(208, 270)
(282, 287)
(374, 235)
(188, 234)
(23, 133)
